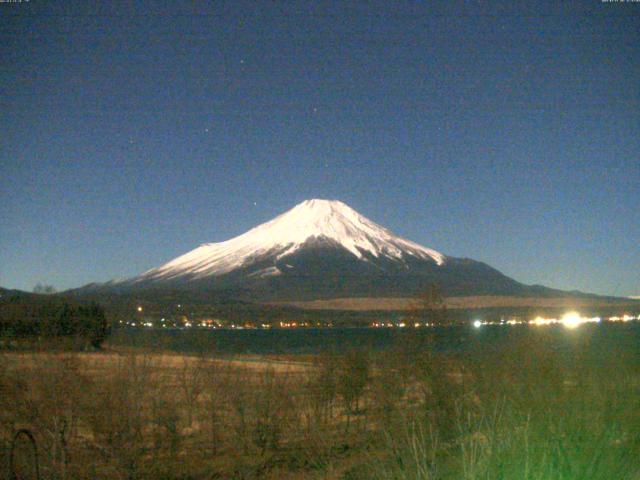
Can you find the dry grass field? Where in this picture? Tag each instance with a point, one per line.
(536, 408)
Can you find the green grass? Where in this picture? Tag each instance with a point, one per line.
(530, 411)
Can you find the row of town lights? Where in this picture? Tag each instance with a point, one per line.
(570, 320)
(401, 324)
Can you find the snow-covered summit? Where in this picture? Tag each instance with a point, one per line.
(316, 219)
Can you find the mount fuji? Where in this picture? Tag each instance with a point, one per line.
(317, 250)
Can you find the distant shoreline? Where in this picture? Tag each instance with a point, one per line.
(489, 301)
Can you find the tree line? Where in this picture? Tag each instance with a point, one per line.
(29, 317)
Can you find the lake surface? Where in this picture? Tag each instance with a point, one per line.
(626, 336)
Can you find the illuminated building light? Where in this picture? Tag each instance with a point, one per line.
(624, 318)
(477, 323)
(573, 320)
(543, 321)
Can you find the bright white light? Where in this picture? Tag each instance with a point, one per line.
(572, 320)
(477, 324)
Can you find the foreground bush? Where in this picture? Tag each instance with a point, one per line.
(532, 410)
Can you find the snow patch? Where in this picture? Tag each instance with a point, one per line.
(267, 272)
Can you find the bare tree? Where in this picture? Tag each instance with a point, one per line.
(322, 390)
(191, 379)
(353, 375)
(271, 410)
(117, 416)
(216, 393)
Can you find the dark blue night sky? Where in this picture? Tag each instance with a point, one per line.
(507, 132)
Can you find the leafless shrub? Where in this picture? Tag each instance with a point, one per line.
(320, 392)
(215, 407)
(273, 410)
(191, 379)
(119, 417)
(352, 378)
(47, 398)
(165, 415)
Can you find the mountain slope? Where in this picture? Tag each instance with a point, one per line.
(320, 249)
(307, 224)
